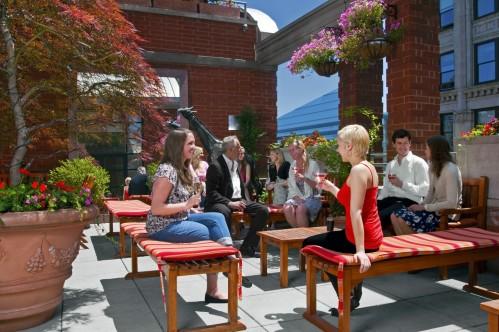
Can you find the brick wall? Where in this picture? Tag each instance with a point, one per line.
(361, 88)
(179, 34)
(414, 74)
(215, 92)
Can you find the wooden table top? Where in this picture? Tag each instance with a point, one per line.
(292, 234)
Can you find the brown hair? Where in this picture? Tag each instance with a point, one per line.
(174, 151)
(440, 153)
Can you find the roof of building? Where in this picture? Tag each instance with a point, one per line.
(319, 114)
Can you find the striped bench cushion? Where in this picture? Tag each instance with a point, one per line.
(176, 252)
(434, 243)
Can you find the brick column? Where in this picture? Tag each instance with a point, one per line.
(360, 88)
(413, 75)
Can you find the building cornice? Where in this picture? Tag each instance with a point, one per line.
(160, 58)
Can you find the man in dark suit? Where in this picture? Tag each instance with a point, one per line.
(224, 194)
(138, 184)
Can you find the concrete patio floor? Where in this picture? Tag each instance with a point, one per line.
(98, 298)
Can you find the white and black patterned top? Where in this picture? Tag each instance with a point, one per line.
(178, 194)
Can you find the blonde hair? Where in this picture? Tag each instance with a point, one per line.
(127, 180)
(358, 137)
(280, 156)
(196, 160)
(300, 145)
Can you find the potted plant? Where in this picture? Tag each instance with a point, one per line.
(319, 54)
(365, 37)
(480, 144)
(40, 227)
(70, 69)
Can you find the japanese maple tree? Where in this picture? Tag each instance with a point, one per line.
(75, 64)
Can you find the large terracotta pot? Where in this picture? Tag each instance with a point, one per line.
(476, 157)
(36, 253)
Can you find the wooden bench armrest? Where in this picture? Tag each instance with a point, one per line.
(445, 222)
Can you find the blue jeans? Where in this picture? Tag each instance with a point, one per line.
(198, 227)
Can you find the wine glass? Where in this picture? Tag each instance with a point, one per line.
(198, 187)
(321, 176)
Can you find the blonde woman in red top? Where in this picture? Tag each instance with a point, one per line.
(362, 233)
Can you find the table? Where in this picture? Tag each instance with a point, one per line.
(284, 239)
(125, 211)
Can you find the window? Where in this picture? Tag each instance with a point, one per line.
(447, 127)
(447, 71)
(446, 13)
(484, 115)
(486, 62)
(485, 7)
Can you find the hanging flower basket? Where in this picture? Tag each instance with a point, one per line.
(375, 49)
(366, 34)
(319, 54)
(326, 68)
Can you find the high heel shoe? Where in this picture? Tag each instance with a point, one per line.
(210, 299)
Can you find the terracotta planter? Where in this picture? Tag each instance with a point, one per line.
(206, 8)
(478, 157)
(36, 253)
(326, 69)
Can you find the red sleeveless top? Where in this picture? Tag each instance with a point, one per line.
(373, 234)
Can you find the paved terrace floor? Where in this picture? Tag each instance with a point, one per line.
(98, 298)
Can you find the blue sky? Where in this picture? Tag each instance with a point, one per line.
(294, 90)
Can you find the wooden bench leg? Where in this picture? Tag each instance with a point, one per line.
(311, 287)
(344, 320)
(232, 284)
(122, 242)
(171, 299)
(492, 308)
(472, 286)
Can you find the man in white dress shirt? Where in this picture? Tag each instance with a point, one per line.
(406, 179)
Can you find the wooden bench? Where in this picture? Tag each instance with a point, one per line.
(125, 212)
(284, 239)
(183, 259)
(473, 211)
(399, 254)
(492, 308)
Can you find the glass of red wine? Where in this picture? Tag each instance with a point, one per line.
(320, 177)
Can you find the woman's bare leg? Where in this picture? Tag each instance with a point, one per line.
(301, 216)
(290, 214)
(212, 286)
(399, 226)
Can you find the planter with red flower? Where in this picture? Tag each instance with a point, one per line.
(477, 156)
(41, 223)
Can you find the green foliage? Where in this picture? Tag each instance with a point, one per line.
(35, 195)
(151, 170)
(249, 130)
(74, 172)
(338, 170)
(263, 197)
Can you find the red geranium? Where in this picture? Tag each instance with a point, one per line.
(43, 187)
(2, 185)
(34, 184)
(24, 171)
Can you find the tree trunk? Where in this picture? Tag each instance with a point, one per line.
(15, 99)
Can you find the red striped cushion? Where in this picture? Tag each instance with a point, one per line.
(174, 252)
(131, 208)
(275, 208)
(440, 242)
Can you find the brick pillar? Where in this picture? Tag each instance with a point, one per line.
(413, 75)
(361, 88)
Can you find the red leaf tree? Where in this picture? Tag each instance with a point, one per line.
(69, 65)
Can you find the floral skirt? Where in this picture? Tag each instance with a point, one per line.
(419, 221)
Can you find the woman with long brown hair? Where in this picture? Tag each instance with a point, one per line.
(172, 198)
(445, 191)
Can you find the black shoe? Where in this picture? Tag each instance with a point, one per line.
(250, 253)
(353, 305)
(210, 299)
(245, 282)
